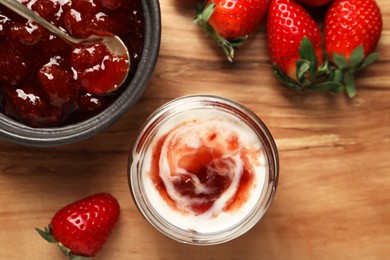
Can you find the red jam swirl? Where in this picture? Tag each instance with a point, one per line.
(44, 81)
(200, 174)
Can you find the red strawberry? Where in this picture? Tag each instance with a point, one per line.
(352, 31)
(315, 2)
(82, 228)
(295, 45)
(230, 21)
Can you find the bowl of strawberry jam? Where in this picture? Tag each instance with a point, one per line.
(203, 169)
(54, 93)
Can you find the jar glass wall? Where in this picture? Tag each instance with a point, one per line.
(203, 169)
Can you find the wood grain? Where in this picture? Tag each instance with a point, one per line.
(333, 198)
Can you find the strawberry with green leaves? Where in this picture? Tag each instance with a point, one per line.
(352, 30)
(295, 46)
(229, 22)
(82, 228)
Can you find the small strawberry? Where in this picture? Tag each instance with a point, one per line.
(352, 30)
(229, 22)
(315, 2)
(82, 228)
(295, 47)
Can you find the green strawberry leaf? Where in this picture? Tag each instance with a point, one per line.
(66, 251)
(307, 52)
(336, 76)
(228, 49)
(350, 84)
(340, 61)
(357, 56)
(199, 8)
(207, 12)
(46, 234)
(333, 87)
(77, 257)
(324, 69)
(285, 80)
(368, 61)
(302, 67)
(344, 70)
(238, 41)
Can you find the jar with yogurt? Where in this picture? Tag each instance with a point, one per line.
(203, 169)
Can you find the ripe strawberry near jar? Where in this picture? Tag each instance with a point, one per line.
(40, 84)
(81, 228)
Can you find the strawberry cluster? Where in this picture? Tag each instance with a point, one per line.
(304, 56)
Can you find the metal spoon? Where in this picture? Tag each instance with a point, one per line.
(113, 43)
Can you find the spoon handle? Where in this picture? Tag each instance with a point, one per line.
(25, 12)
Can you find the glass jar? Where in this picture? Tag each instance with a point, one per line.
(203, 169)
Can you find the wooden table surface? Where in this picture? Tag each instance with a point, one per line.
(333, 198)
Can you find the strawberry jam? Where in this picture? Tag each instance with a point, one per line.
(44, 81)
(197, 165)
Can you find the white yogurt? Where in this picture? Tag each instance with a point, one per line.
(186, 132)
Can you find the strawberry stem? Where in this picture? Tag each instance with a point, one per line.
(47, 235)
(334, 78)
(350, 84)
(344, 70)
(77, 257)
(307, 53)
(368, 61)
(286, 80)
(309, 76)
(357, 57)
(66, 251)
